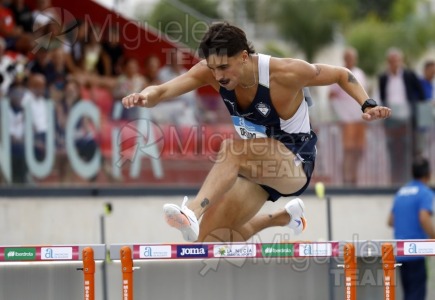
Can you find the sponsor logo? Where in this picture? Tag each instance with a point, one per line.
(419, 248)
(276, 250)
(387, 284)
(247, 129)
(20, 254)
(87, 290)
(56, 253)
(125, 290)
(247, 134)
(192, 251)
(348, 288)
(247, 250)
(321, 249)
(155, 251)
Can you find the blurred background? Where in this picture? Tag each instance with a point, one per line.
(67, 146)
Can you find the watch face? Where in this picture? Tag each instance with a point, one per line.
(371, 102)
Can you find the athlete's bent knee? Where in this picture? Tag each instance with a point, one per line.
(230, 150)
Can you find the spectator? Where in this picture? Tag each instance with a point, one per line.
(349, 115)
(114, 51)
(35, 99)
(93, 53)
(183, 109)
(57, 74)
(427, 79)
(128, 82)
(152, 68)
(16, 130)
(411, 218)
(84, 136)
(85, 133)
(74, 48)
(41, 63)
(400, 89)
(8, 29)
(424, 109)
(51, 64)
(6, 69)
(42, 15)
(22, 15)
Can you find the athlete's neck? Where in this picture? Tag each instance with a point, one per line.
(249, 78)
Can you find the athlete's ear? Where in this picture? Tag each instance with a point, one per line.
(245, 56)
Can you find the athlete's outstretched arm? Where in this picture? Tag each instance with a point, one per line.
(305, 74)
(197, 76)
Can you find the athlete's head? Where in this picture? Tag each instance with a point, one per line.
(225, 40)
(421, 169)
(227, 51)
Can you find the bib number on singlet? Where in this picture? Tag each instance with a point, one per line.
(248, 130)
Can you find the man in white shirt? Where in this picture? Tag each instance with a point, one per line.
(352, 125)
(35, 99)
(16, 132)
(401, 90)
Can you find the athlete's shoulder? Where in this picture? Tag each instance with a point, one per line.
(290, 70)
(288, 64)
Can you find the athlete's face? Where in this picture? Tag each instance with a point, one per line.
(227, 70)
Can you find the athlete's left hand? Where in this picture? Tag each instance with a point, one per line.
(376, 113)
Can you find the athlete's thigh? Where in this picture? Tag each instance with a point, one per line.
(269, 162)
(237, 206)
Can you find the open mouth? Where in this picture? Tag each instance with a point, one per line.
(224, 82)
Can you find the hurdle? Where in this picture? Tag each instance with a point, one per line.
(88, 254)
(348, 251)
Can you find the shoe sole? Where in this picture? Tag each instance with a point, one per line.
(303, 219)
(175, 218)
(304, 223)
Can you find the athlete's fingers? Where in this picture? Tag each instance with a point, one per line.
(142, 99)
(125, 101)
(383, 112)
(131, 100)
(136, 98)
(375, 113)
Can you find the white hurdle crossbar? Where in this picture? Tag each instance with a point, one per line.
(348, 250)
(88, 254)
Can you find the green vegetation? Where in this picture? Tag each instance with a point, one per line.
(371, 26)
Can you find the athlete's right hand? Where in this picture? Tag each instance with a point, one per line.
(135, 99)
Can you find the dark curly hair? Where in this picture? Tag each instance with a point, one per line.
(420, 168)
(224, 39)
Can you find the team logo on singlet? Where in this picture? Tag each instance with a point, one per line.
(264, 109)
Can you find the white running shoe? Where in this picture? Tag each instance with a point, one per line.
(183, 219)
(295, 208)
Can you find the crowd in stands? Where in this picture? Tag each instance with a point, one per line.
(39, 64)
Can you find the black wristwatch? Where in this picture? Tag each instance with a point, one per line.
(368, 103)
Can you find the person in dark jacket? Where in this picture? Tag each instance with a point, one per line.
(401, 90)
